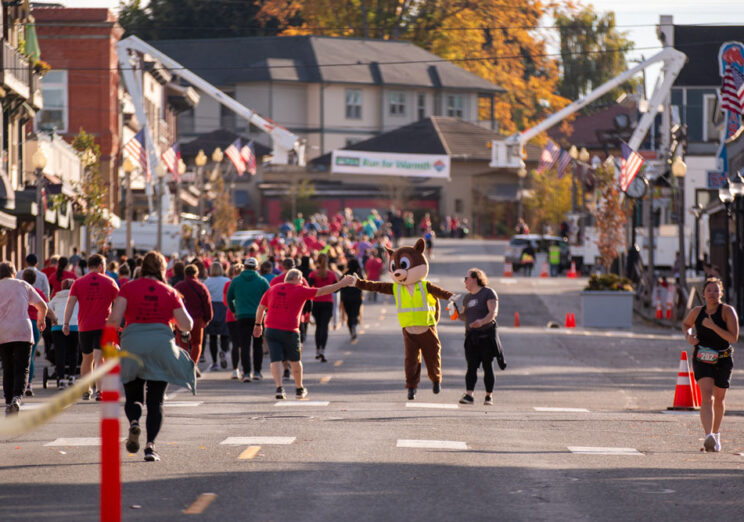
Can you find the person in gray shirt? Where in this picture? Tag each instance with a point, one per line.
(480, 308)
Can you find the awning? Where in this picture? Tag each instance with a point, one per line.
(7, 194)
(7, 221)
(25, 205)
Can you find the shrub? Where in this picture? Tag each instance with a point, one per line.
(611, 282)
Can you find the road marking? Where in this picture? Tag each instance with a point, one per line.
(183, 404)
(433, 405)
(76, 441)
(257, 441)
(301, 403)
(567, 410)
(680, 412)
(590, 450)
(347, 353)
(249, 453)
(31, 406)
(325, 379)
(200, 504)
(432, 444)
(338, 363)
(507, 281)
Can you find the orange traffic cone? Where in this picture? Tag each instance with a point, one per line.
(573, 320)
(659, 313)
(516, 319)
(544, 270)
(508, 270)
(571, 274)
(683, 393)
(568, 320)
(697, 397)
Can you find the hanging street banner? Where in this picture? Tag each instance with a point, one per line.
(390, 164)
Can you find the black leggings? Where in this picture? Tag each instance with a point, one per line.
(16, 357)
(322, 312)
(65, 353)
(241, 350)
(477, 354)
(135, 399)
(224, 344)
(352, 313)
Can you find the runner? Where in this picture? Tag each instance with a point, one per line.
(217, 328)
(282, 306)
(199, 305)
(95, 292)
(65, 346)
(323, 305)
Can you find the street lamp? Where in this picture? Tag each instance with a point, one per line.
(726, 197)
(39, 162)
(521, 174)
(200, 160)
(181, 171)
(218, 155)
(128, 168)
(160, 171)
(679, 169)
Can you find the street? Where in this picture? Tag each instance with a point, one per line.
(579, 430)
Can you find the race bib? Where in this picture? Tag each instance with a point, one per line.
(707, 355)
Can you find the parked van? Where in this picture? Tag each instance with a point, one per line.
(540, 244)
(244, 238)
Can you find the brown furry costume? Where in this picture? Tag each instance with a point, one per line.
(408, 266)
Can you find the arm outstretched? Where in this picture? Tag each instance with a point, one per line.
(438, 292)
(375, 286)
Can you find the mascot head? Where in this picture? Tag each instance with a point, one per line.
(407, 265)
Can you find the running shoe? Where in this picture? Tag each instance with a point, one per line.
(151, 455)
(280, 394)
(214, 367)
(237, 375)
(223, 360)
(437, 387)
(286, 373)
(86, 395)
(301, 393)
(132, 443)
(247, 377)
(8, 410)
(29, 391)
(71, 381)
(488, 401)
(257, 376)
(411, 393)
(717, 447)
(466, 399)
(710, 443)
(198, 372)
(61, 385)
(14, 406)
(317, 356)
(323, 358)
(98, 395)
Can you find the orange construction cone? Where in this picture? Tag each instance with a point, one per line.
(683, 393)
(544, 270)
(508, 270)
(516, 319)
(571, 274)
(573, 320)
(697, 397)
(659, 313)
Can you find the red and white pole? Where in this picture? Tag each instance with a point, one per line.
(110, 458)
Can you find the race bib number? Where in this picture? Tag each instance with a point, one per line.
(707, 355)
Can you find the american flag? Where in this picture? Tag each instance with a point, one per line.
(248, 154)
(137, 150)
(170, 157)
(549, 156)
(233, 152)
(563, 161)
(732, 90)
(630, 164)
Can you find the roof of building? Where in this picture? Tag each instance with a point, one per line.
(595, 129)
(219, 138)
(701, 44)
(434, 135)
(315, 59)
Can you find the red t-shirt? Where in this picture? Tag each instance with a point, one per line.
(280, 279)
(373, 268)
(95, 294)
(33, 313)
(284, 305)
(149, 301)
(229, 316)
(317, 282)
(56, 284)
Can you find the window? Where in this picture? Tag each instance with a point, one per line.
(421, 105)
(454, 105)
(54, 92)
(353, 104)
(397, 103)
(713, 119)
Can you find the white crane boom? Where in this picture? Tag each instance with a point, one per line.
(509, 153)
(283, 140)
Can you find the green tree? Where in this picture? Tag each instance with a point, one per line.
(549, 200)
(593, 51)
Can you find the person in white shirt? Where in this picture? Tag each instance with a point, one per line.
(65, 346)
(42, 281)
(216, 330)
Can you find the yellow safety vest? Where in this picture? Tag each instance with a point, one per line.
(418, 309)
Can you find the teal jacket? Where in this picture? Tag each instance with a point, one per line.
(245, 292)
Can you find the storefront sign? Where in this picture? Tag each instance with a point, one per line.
(390, 164)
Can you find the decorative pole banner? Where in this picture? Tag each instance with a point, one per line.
(731, 69)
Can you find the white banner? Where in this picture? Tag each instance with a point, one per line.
(390, 164)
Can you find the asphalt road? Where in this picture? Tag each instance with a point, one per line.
(358, 450)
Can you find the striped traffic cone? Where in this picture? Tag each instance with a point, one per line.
(683, 393)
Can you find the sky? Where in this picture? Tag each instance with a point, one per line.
(637, 17)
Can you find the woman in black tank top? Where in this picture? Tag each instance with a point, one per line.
(716, 329)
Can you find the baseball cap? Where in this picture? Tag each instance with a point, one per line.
(251, 262)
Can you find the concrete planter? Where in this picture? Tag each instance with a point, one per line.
(607, 309)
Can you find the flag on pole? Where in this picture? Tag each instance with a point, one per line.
(137, 150)
(170, 157)
(563, 162)
(248, 153)
(233, 152)
(630, 164)
(549, 156)
(732, 90)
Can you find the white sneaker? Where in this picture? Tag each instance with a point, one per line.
(237, 375)
(709, 443)
(717, 447)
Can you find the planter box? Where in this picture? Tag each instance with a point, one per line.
(607, 309)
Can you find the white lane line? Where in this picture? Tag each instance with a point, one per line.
(432, 405)
(301, 403)
(183, 404)
(76, 441)
(325, 379)
(31, 406)
(567, 410)
(590, 450)
(507, 281)
(680, 412)
(432, 444)
(257, 441)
